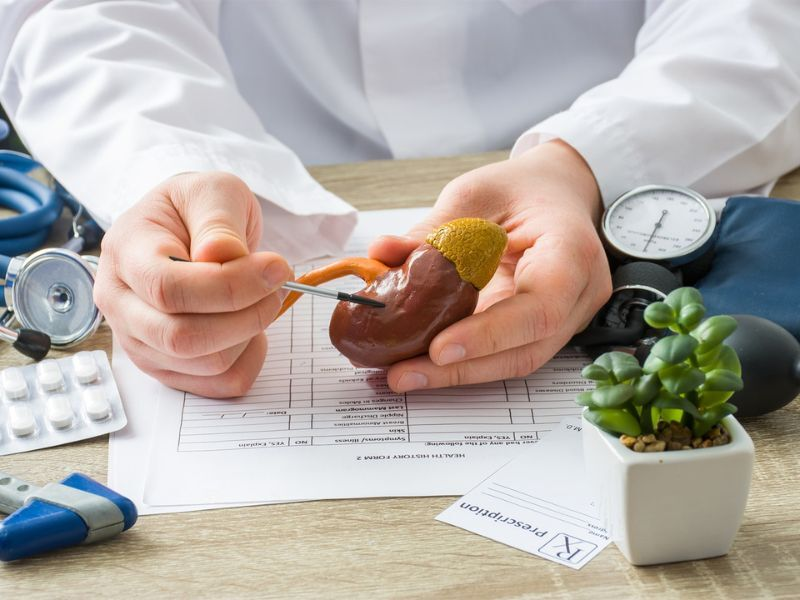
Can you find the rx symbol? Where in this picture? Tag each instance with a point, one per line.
(567, 548)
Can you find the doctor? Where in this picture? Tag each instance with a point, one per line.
(184, 125)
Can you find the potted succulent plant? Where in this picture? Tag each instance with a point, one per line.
(669, 465)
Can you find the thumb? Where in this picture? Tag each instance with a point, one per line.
(218, 239)
(392, 250)
(221, 217)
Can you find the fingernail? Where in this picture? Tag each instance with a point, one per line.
(411, 380)
(451, 353)
(276, 274)
(398, 238)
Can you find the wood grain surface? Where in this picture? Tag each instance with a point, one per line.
(393, 548)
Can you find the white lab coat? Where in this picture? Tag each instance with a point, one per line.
(115, 96)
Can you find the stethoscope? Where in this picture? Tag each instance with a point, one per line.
(48, 293)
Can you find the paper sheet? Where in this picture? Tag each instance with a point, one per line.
(538, 502)
(129, 449)
(315, 427)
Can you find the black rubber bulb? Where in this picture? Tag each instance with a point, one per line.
(770, 358)
(32, 343)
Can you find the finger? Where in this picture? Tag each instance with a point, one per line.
(422, 373)
(203, 287)
(548, 294)
(221, 215)
(500, 287)
(392, 250)
(432, 220)
(150, 359)
(462, 197)
(189, 335)
(234, 382)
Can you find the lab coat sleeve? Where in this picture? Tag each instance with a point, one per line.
(115, 96)
(711, 101)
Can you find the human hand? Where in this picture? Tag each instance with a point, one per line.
(197, 326)
(553, 277)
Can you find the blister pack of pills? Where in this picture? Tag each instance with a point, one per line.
(57, 401)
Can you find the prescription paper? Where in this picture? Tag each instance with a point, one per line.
(315, 427)
(538, 502)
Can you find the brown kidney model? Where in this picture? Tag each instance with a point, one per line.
(436, 286)
(422, 297)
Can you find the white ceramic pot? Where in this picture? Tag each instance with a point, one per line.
(662, 507)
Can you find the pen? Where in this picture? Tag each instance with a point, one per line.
(318, 291)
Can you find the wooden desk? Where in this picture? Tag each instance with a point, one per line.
(390, 548)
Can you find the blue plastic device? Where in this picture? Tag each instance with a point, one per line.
(58, 515)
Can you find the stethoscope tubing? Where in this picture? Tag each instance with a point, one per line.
(39, 207)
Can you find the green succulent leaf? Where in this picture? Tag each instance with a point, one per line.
(613, 420)
(612, 396)
(708, 360)
(711, 417)
(667, 400)
(622, 365)
(671, 414)
(728, 359)
(646, 389)
(681, 297)
(659, 315)
(706, 399)
(722, 380)
(604, 361)
(653, 364)
(679, 379)
(584, 399)
(713, 331)
(595, 372)
(626, 367)
(691, 315)
(674, 349)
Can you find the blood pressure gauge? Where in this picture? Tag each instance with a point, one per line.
(670, 225)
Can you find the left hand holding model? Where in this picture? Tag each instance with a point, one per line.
(553, 277)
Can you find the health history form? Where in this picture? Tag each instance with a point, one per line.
(313, 426)
(326, 402)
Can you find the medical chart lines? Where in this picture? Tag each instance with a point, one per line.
(408, 424)
(528, 392)
(180, 426)
(363, 410)
(291, 331)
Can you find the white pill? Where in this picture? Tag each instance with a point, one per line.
(96, 404)
(59, 411)
(21, 420)
(14, 384)
(49, 374)
(85, 367)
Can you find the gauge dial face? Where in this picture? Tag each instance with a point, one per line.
(659, 223)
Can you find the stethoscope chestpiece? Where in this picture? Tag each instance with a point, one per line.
(52, 291)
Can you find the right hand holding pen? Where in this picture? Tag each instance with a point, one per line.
(196, 326)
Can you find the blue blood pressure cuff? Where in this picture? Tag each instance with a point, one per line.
(756, 264)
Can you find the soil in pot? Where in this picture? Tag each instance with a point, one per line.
(675, 436)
